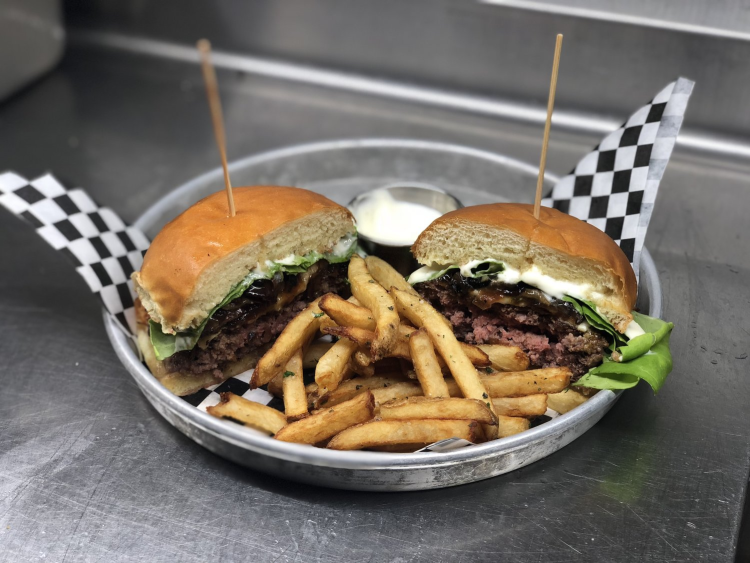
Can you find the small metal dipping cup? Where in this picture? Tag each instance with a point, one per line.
(400, 256)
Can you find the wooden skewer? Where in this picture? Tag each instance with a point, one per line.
(214, 102)
(548, 123)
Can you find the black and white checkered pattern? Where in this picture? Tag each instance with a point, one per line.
(239, 385)
(104, 250)
(614, 186)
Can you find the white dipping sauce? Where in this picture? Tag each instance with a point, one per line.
(382, 218)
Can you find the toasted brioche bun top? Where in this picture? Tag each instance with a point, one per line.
(197, 258)
(558, 244)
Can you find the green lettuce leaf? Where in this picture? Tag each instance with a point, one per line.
(166, 345)
(644, 357)
(589, 312)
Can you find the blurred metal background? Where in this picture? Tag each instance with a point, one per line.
(31, 41)
(487, 57)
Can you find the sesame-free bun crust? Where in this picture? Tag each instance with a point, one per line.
(197, 258)
(560, 245)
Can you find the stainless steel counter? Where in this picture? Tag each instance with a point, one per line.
(89, 472)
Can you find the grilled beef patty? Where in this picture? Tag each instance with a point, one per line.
(484, 312)
(257, 317)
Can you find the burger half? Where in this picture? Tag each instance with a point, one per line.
(215, 291)
(557, 287)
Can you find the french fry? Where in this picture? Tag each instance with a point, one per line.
(426, 365)
(405, 330)
(438, 408)
(276, 386)
(293, 388)
(477, 356)
(314, 352)
(362, 357)
(376, 299)
(509, 425)
(393, 432)
(362, 337)
(300, 330)
(527, 407)
(249, 413)
(363, 371)
(424, 315)
(401, 349)
(332, 365)
(505, 358)
(400, 390)
(329, 421)
(522, 383)
(566, 400)
(387, 276)
(345, 313)
(325, 321)
(353, 387)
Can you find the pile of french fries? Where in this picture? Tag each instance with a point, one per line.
(394, 378)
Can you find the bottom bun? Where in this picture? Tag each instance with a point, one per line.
(183, 383)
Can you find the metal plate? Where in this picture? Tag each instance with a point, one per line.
(340, 170)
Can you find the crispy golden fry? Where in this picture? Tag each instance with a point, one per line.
(426, 365)
(372, 295)
(477, 356)
(387, 276)
(401, 349)
(566, 400)
(297, 334)
(505, 358)
(405, 330)
(295, 398)
(331, 368)
(362, 357)
(528, 406)
(276, 386)
(509, 425)
(522, 383)
(394, 432)
(345, 313)
(249, 413)
(362, 337)
(396, 391)
(440, 408)
(325, 321)
(363, 371)
(314, 352)
(329, 421)
(353, 387)
(424, 315)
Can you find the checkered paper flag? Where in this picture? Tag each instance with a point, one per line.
(614, 186)
(104, 250)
